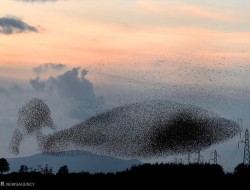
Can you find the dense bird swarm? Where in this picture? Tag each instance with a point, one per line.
(140, 130)
(31, 118)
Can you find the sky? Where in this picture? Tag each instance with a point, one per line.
(92, 55)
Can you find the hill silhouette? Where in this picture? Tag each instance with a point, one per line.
(77, 161)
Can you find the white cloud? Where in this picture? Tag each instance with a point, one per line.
(72, 88)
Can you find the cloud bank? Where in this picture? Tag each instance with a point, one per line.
(70, 96)
(43, 68)
(14, 25)
(72, 87)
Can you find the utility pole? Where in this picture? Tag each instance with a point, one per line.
(214, 157)
(245, 141)
(240, 123)
(176, 160)
(188, 158)
(180, 161)
(199, 159)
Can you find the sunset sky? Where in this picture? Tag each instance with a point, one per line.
(191, 51)
(81, 32)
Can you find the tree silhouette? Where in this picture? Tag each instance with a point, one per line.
(4, 165)
(47, 170)
(242, 170)
(23, 168)
(63, 170)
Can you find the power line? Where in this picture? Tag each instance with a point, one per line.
(178, 161)
(240, 123)
(245, 141)
(189, 158)
(214, 157)
(199, 159)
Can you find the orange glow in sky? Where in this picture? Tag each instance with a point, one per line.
(88, 33)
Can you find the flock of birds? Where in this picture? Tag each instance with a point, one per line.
(140, 130)
(144, 129)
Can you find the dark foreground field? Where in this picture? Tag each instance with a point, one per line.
(162, 175)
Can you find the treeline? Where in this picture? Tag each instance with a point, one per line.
(146, 173)
(156, 170)
(145, 170)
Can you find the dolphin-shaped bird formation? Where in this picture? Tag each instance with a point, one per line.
(139, 130)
